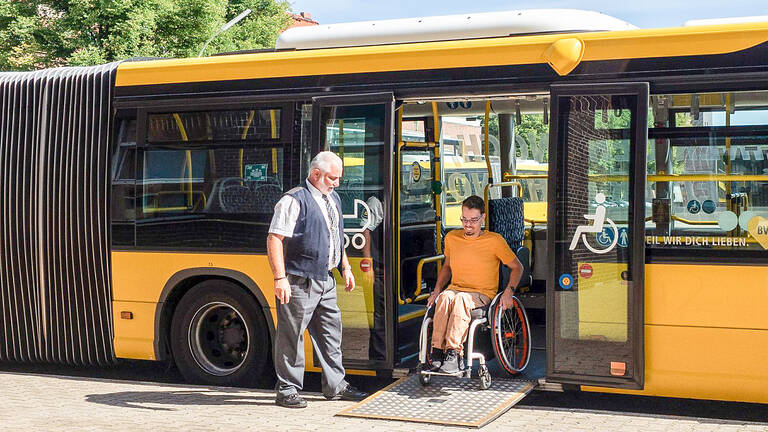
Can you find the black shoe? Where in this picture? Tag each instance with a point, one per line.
(436, 358)
(352, 394)
(451, 362)
(291, 401)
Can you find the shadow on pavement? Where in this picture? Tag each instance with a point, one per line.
(140, 400)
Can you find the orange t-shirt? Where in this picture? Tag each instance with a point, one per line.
(475, 262)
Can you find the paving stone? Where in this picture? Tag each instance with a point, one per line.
(45, 402)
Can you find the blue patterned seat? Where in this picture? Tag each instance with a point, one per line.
(505, 216)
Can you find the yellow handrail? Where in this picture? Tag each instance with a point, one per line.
(656, 177)
(419, 269)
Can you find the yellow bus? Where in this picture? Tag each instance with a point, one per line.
(136, 198)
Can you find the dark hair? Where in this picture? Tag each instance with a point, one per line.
(474, 202)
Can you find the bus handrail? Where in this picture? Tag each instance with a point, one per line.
(419, 269)
(488, 187)
(693, 222)
(656, 177)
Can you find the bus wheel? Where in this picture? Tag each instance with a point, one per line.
(219, 336)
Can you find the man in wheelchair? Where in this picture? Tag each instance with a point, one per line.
(471, 265)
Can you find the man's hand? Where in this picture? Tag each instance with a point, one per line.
(349, 279)
(432, 298)
(283, 291)
(506, 299)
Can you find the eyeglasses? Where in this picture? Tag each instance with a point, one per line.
(473, 220)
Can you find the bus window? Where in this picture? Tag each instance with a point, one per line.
(210, 179)
(123, 203)
(709, 184)
(462, 149)
(413, 130)
(215, 126)
(417, 204)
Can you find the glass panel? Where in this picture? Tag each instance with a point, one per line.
(413, 130)
(358, 135)
(235, 125)
(417, 202)
(719, 198)
(212, 198)
(123, 202)
(592, 293)
(465, 171)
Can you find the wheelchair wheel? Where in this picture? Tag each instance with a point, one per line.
(424, 379)
(485, 377)
(511, 336)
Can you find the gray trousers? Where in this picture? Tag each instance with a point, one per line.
(312, 307)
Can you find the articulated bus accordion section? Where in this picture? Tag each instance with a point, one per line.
(55, 287)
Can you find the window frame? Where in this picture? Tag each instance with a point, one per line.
(287, 140)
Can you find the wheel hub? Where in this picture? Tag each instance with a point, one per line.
(218, 338)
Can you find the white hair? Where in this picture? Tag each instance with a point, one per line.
(323, 161)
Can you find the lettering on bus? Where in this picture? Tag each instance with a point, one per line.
(696, 241)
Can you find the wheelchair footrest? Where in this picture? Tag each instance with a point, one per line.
(465, 373)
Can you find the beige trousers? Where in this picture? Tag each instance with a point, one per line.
(452, 316)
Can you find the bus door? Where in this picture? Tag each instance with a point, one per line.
(359, 129)
(597, 208)
(418, 244)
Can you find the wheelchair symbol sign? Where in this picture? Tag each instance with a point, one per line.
(694, 206)
(605, 230)
(604, 237)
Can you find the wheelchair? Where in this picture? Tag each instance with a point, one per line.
(510, 339)
(507, 330)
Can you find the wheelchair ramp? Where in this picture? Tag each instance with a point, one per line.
(446, 401)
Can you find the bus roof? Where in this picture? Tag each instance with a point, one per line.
(448, 27)
(499, 51)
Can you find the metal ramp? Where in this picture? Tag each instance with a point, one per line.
(446, 401)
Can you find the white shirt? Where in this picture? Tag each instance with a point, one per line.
(287, 214)
(377, 212)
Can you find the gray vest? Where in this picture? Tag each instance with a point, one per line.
(306, 253)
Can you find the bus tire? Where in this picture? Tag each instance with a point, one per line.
(219, 336)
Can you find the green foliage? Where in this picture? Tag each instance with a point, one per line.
(531, 129)
(38, 34)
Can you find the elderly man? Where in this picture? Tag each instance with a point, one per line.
(471, 265)
(305, 242)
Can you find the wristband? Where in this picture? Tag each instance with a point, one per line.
(347, 268)
(277, 279)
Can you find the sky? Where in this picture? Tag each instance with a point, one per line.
(642, 13)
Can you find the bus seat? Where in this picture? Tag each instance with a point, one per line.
(231, 195)
(266, 196)
(505, 217)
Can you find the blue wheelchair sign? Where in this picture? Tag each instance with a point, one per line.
(605, 237)
(694, 206)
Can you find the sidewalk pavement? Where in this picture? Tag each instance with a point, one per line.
(50, 402)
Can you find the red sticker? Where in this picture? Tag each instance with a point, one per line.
(365, 265)
(585, 271)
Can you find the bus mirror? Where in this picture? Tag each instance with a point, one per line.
(437, 187)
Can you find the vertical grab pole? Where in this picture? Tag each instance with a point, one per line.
(437, 178)
(487, 149)
(398, 166)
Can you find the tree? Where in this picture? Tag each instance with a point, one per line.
(39, 34)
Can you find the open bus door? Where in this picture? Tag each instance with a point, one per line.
(597, 217)
(359, 129)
